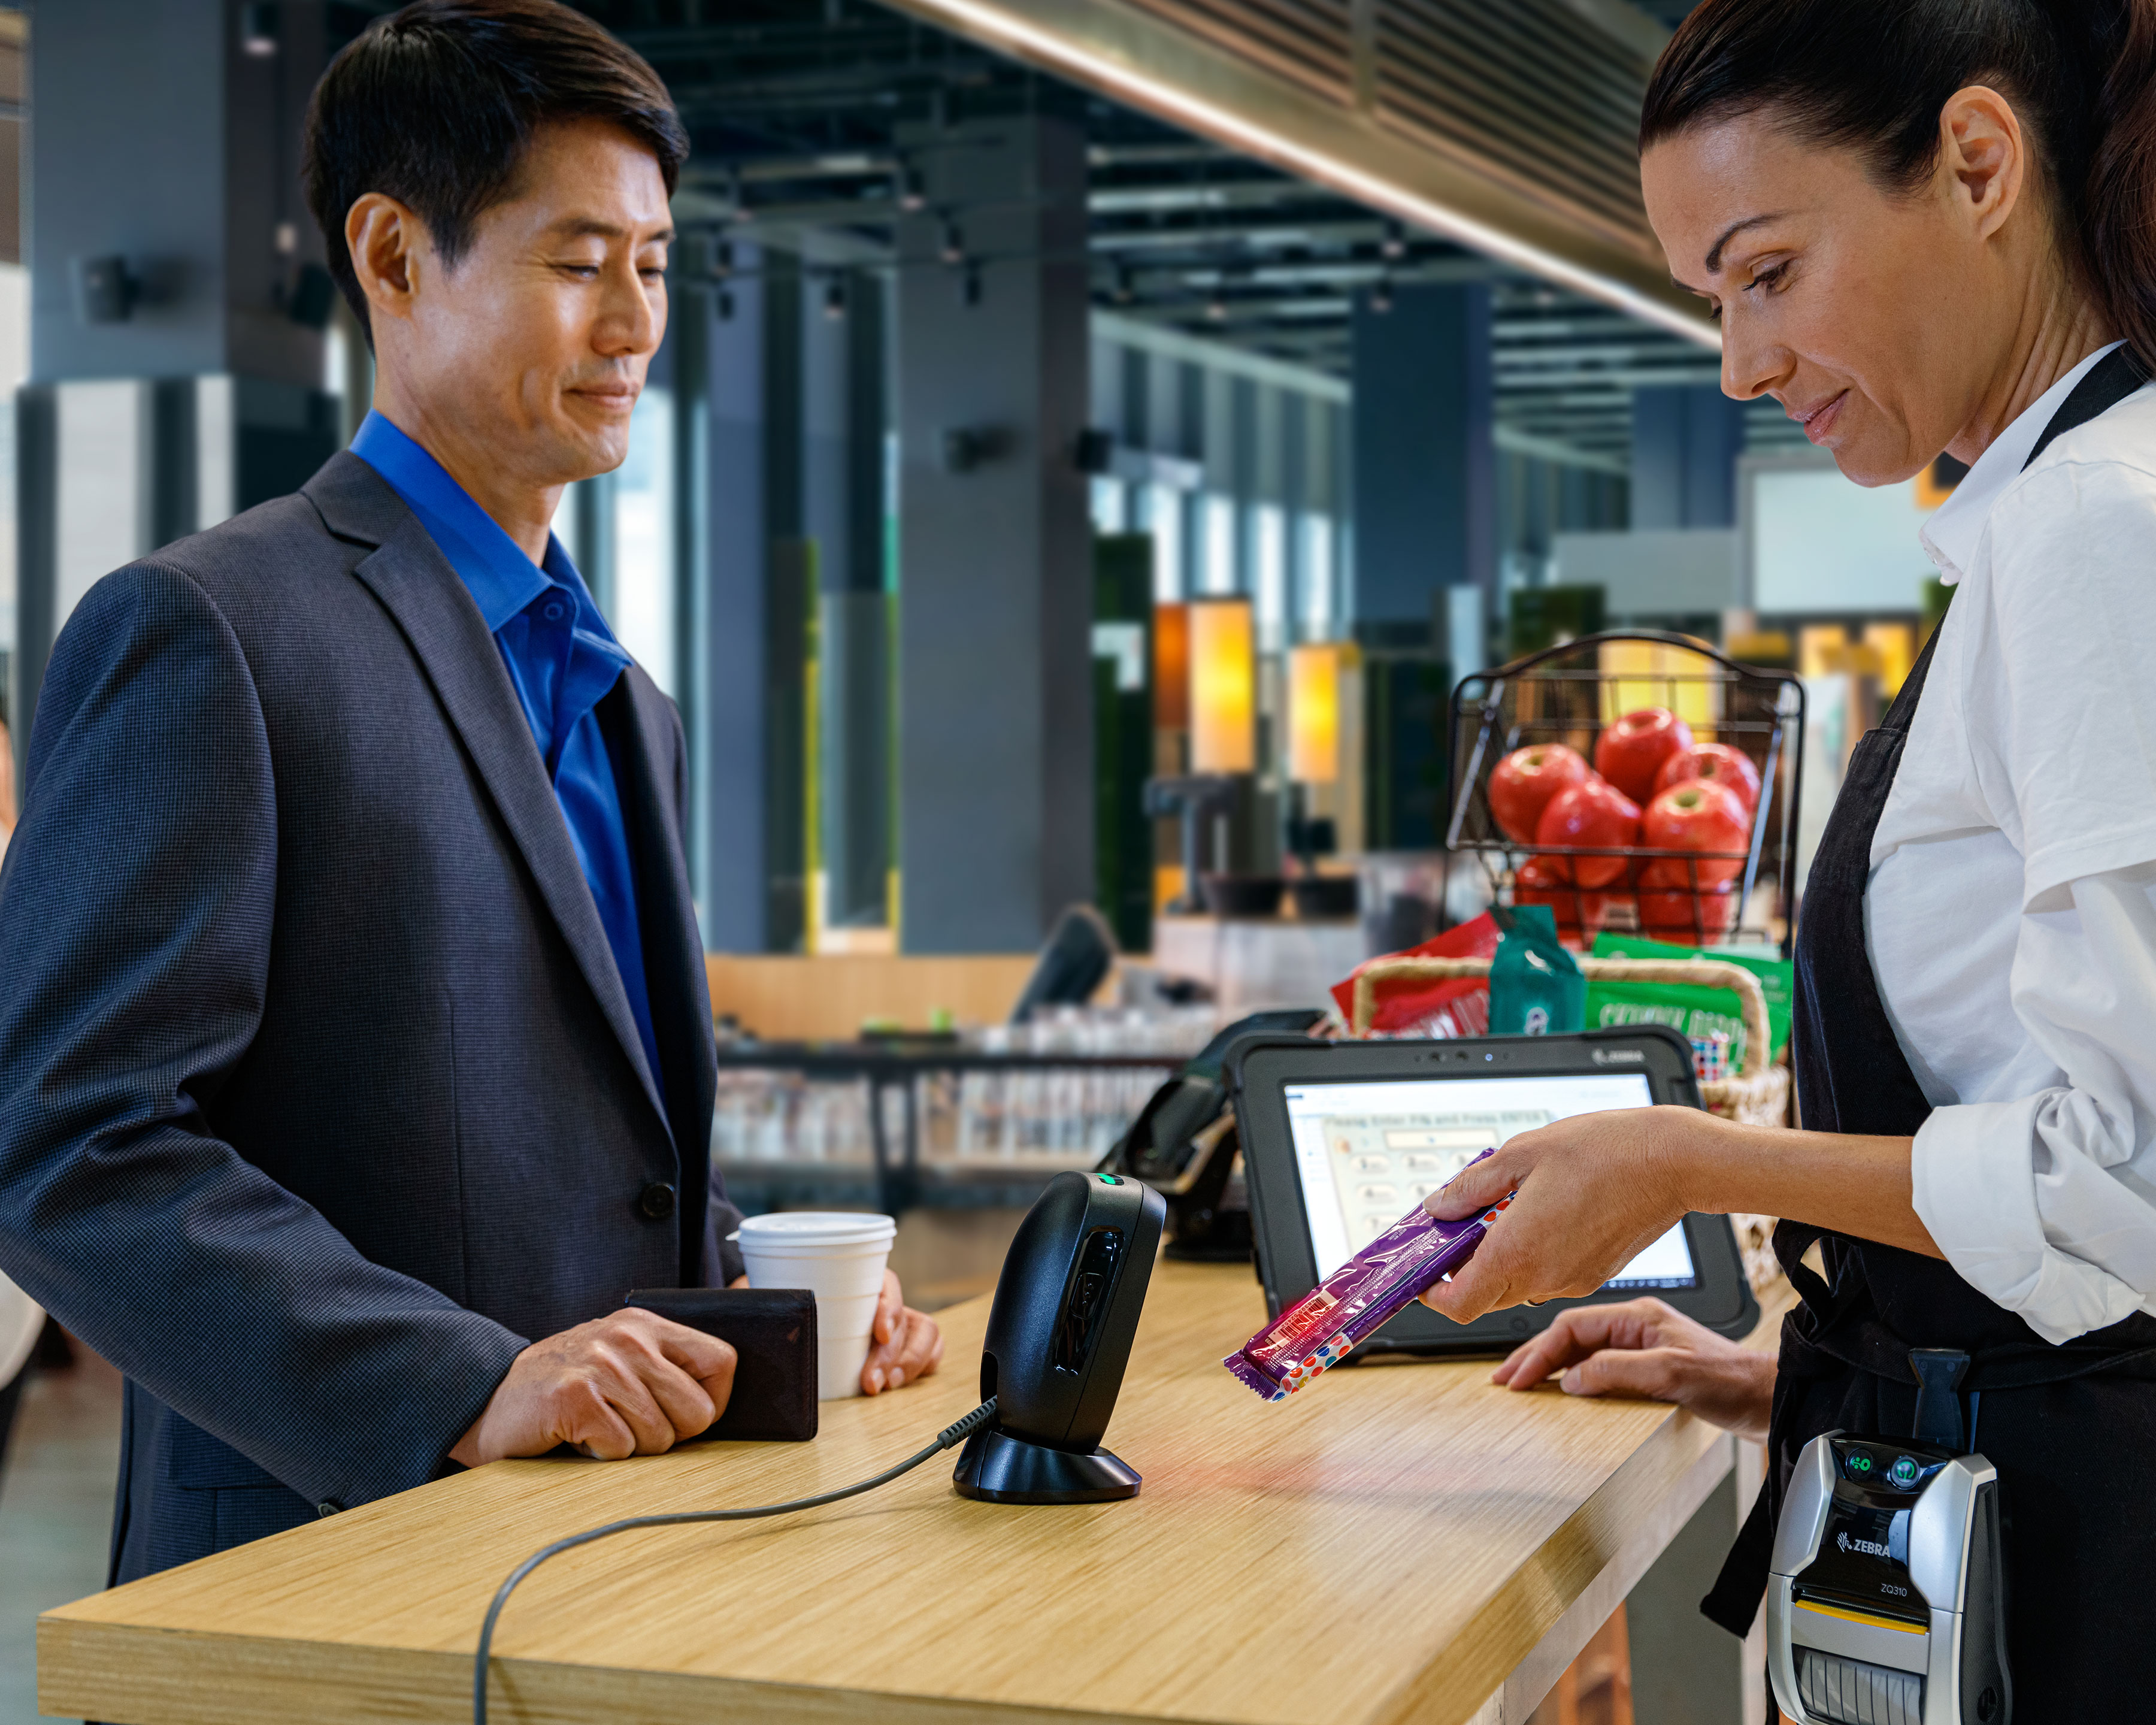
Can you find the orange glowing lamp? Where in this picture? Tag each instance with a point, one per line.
(1223, 686)
(1313, 713)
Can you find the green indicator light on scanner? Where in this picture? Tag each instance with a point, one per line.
(1904, 1471)
(1860, 1464)
(1112, 1179)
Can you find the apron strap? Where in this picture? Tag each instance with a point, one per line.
(1938, 1372)
(1733, 1601)
(2103, 386)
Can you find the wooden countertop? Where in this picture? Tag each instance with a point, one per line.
(1400, 1542)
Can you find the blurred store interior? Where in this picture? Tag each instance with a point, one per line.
(995, 388)
(1089, 436)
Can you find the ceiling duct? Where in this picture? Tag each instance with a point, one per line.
(1504, 125)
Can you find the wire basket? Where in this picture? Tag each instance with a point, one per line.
(1568, 694)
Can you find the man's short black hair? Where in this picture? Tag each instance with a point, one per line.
(435, 106)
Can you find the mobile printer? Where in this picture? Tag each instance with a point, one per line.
(1886, 1596)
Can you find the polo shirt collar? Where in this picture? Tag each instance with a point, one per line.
(1956, 527)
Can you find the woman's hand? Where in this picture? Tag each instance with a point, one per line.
(1595, 1191)
(1644, 1348)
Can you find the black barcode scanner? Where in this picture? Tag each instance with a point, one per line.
(1060, 1332)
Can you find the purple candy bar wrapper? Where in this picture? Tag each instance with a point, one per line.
(1320, 1328)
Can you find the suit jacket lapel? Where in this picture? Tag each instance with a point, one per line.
(644, 737)
(415, 583)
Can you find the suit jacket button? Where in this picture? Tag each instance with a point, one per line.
(656, 1200)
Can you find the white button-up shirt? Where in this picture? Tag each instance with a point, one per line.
(2011, 913)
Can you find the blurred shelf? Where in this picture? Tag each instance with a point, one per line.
(980, 1147)
(760, 1186)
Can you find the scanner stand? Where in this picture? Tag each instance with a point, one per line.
(998, 1468)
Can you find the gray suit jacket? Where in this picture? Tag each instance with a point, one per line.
(319, 1094)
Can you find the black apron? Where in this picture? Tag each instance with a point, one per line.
(2072, 1430)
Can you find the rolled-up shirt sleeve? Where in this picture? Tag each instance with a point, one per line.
(2046, 1203)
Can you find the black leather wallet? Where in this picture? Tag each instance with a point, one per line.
(773, 1333)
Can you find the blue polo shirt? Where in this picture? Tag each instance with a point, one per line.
(561, 658)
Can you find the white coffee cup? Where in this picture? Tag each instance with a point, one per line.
(839, 1256)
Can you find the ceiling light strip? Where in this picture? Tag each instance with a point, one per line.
(1028, 41)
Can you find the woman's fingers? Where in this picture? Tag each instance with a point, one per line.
(1481, 1182)
(1655, 1373)
(1469, 1293)
(1731, 1387)
(1573, 1336)
(1581, 1331)
(1500, 1274)
(1645, 1347)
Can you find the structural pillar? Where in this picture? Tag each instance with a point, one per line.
(1425, 489)
(844, 354)
(192, 388)
(750, 611)
(1425, 462)
(994, 659)
(1686, 440)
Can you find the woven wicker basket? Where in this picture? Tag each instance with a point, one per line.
(1756, 1096)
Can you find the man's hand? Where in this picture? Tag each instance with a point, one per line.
(1643, 1347)
(903, 1345)
(630, 1385)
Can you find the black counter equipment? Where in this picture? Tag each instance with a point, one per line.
(1058, 1337)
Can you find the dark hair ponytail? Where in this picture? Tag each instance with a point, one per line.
(1872, 75)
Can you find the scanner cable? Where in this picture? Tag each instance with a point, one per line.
(949, 1438)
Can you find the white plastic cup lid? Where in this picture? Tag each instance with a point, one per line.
(785, 1229)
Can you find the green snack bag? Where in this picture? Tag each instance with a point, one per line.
(1536, 989)
(1690, 1010)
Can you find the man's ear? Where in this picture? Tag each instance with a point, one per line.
(1984, 157)
(390, 248)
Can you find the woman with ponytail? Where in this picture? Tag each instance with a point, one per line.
(1928, 226)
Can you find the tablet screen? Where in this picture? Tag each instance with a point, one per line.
(1365, 1152)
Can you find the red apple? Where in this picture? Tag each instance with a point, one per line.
(1718, 762)
(1688, 919)
(1596, 815)
(1695, 814)
(1523, 783)
(1630, 753)
(1547, 881)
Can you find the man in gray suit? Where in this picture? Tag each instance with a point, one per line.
(355, 1031)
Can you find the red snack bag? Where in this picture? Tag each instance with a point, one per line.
(1408, 1004)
